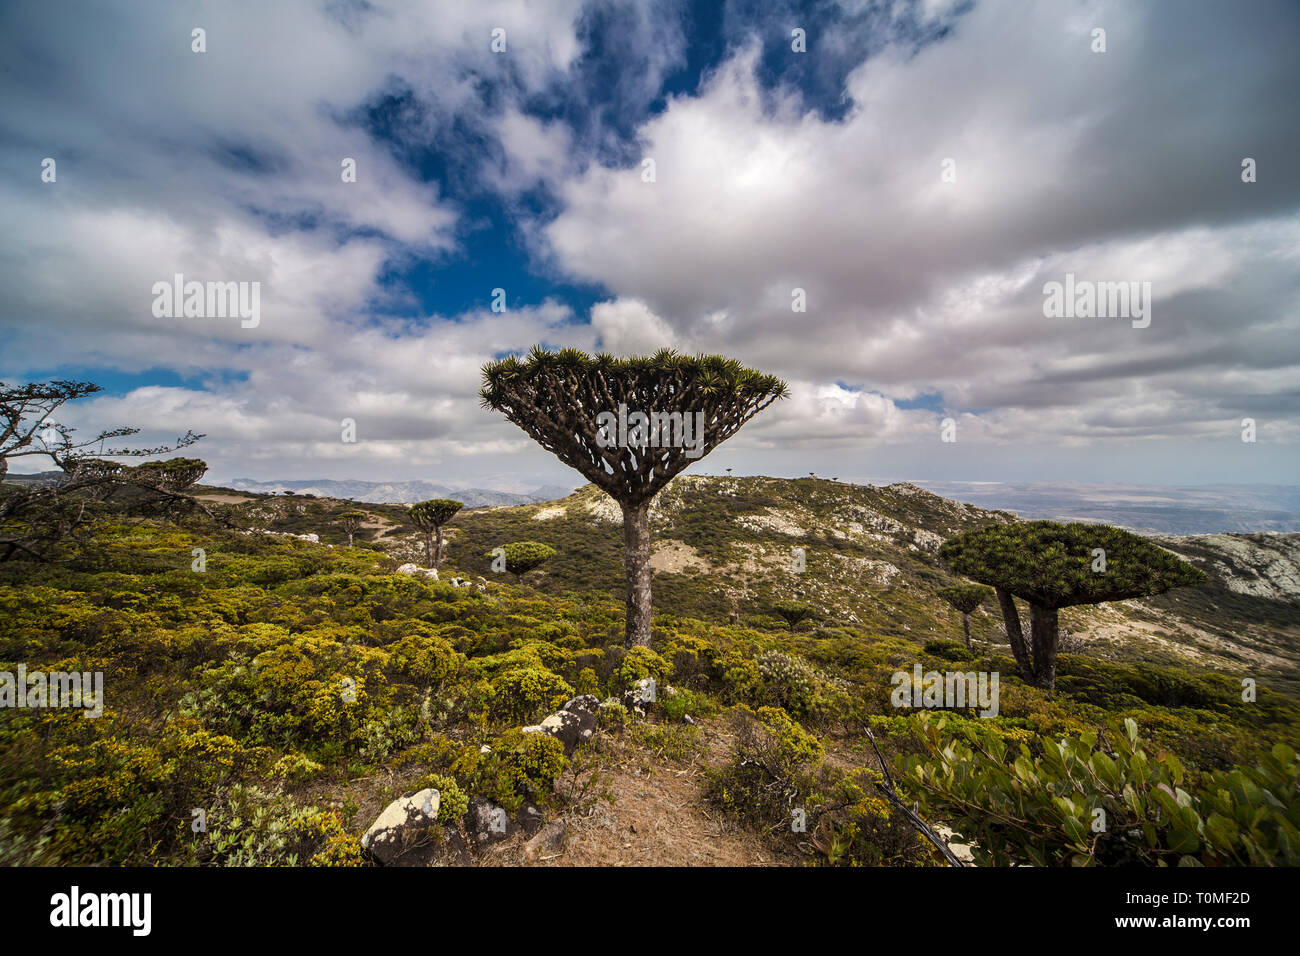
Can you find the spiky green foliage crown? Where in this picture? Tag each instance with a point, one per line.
(966, 597)
(523, 556)
(556, 398)
(792, 611)
(434, 513)
(174, 474)
(1052, 564)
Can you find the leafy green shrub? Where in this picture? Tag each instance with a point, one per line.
(740, 678)
(612, 715)
(854, 826)
(769, 770)
(640, 663)
(453, 801)
(1081, 803)
(675, 743)
(248, 826)
(788, 682)
(519, 767)
(307, 692)
(113, 798)
(947, 650)
(426, 661)
(684, 702)
(692, 658)
(296, 767)
(792, 683)
(523, 695)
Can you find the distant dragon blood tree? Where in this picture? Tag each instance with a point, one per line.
(520, 557)
(429, 516)
(350, 521)
(966, 598)
(174, 474)
(628, 426)
(1050, 566)
(792, 612)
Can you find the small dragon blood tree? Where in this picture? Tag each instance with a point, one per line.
(1050, 566)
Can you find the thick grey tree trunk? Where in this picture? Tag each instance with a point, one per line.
(1016, 634)
(965, 623)
(1042, 632)
(437, 554)
(636, 562)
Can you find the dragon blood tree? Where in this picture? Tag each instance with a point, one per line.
(174, 474)
(1050, 566)
(350, 522)
(966, 598)
(792, 612)
(429, 516)
(520, 557)
(628, 425)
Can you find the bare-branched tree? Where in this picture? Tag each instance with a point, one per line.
(37, 515)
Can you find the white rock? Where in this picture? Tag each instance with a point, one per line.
(403, 822)
(410, 568)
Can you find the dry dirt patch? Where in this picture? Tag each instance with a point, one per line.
(657, 818)
(672, 556)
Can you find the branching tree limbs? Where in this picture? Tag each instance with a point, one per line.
(792, 612)
(429, 516)
(350, 521)
(26, 429)
(35, 516)
(1050, 566)
(559, 399)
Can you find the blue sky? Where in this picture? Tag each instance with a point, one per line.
(781, 164)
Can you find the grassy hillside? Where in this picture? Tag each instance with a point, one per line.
(290, 690)
(870, 561)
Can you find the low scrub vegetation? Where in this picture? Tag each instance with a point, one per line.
(264, 691)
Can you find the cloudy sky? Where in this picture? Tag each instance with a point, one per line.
(920, 170)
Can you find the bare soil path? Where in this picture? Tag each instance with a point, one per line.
(658, 817)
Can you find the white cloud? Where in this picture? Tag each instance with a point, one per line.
(225, 165)
(629, 327)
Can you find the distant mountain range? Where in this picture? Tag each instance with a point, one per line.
(1149, 509)
(398, 492)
